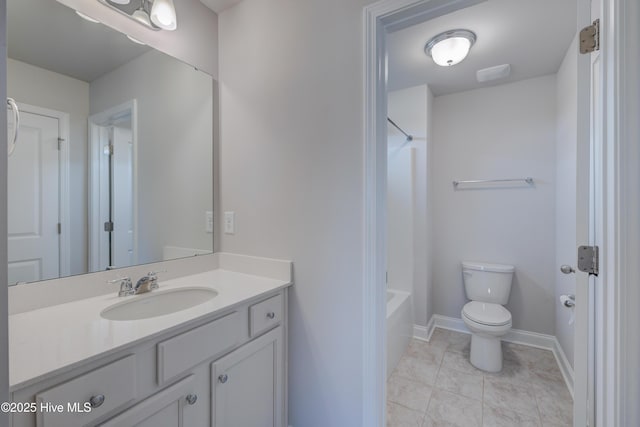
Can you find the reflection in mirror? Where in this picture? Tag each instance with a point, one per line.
(113, 166)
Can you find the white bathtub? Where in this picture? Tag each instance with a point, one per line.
(399, 326)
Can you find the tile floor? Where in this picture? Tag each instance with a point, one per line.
(435, 385)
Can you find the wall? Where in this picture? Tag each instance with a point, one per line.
(291, 167)
(4, 319)
(195, 41)
(43, 88)
(400, 218)
(504, 131)
(175, 110)
(409, 108)
(566, 188)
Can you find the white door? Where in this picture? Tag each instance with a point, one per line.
(589, 222)
(33, 201)
(122, 197)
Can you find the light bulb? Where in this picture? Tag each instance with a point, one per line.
(450, 51)
(163, 14)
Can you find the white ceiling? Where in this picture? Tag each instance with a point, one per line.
(51, 36)
(531, 35)
(219, 5)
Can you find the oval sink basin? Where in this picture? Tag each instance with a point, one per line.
(158, 303)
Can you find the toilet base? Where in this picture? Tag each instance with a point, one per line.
(486, 352)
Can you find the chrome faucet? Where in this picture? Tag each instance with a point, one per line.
(146, 283)
(126, 288)
(143, 285)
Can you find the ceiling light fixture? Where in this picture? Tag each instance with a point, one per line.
(451, 47)
(153, 14)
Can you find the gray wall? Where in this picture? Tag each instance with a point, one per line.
(498, 132)
(292, 170)
(43, 88)
(175, 134)
(4, 319)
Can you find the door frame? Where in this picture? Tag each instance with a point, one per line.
(620, 246)
(64, 210)
(95, 122)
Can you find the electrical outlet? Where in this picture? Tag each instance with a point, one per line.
(208, 221)
(229, 222)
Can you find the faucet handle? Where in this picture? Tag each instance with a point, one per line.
(126, 287)
(153, 276)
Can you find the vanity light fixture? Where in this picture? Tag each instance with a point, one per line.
(153, 14)
(135, 40)
(87, 17)
(451, 47)
(163, 14)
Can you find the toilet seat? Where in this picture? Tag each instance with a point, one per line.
(486, 313)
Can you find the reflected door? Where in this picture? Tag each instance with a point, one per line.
(122, 197)
(33, 203)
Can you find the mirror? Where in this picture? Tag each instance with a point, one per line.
(113, 165)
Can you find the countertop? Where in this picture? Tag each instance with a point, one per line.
(55, 339)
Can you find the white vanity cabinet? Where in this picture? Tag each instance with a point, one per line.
(225, 371)
(247, 384)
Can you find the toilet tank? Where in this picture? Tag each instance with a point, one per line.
(487, 282)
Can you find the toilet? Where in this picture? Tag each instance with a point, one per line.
(488, 287)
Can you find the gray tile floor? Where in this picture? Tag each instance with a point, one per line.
(435, 385)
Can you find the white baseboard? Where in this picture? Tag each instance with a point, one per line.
(420, 333)
(517, 336)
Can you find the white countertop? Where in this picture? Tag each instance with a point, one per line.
(50, 339)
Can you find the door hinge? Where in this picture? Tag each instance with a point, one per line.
(59, 228)
(590, 38)
(108, 150)
(588, 259)
(108, 226)
(60, 141)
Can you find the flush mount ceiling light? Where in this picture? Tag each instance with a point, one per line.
(153, 14)
(451, 47)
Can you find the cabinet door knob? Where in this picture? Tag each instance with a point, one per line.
(191, 398)
(271, 315)
(223, 378)
(96, 401)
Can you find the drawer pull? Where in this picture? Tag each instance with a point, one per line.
(271, 315)
(191, 398)
(223, 378)
(96, 401)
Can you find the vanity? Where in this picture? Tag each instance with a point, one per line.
(116, 155)
(219, 363)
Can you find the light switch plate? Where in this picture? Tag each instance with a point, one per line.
(229, 222)
(208, 215)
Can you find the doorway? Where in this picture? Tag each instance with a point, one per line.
(385, 18)
(38, 218)
(112, 191)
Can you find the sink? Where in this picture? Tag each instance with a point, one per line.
(158, 303)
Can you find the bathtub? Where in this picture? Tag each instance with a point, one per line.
(399, 326)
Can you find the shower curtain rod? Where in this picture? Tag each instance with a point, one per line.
(409, 137)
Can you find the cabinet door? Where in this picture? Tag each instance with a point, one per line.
(248, 384)
(164, 409)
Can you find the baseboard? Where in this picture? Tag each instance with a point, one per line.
(517, 336)
(421, 332)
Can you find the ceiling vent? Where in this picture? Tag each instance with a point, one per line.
(493, 73)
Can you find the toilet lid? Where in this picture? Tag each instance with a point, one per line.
(487, 313)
